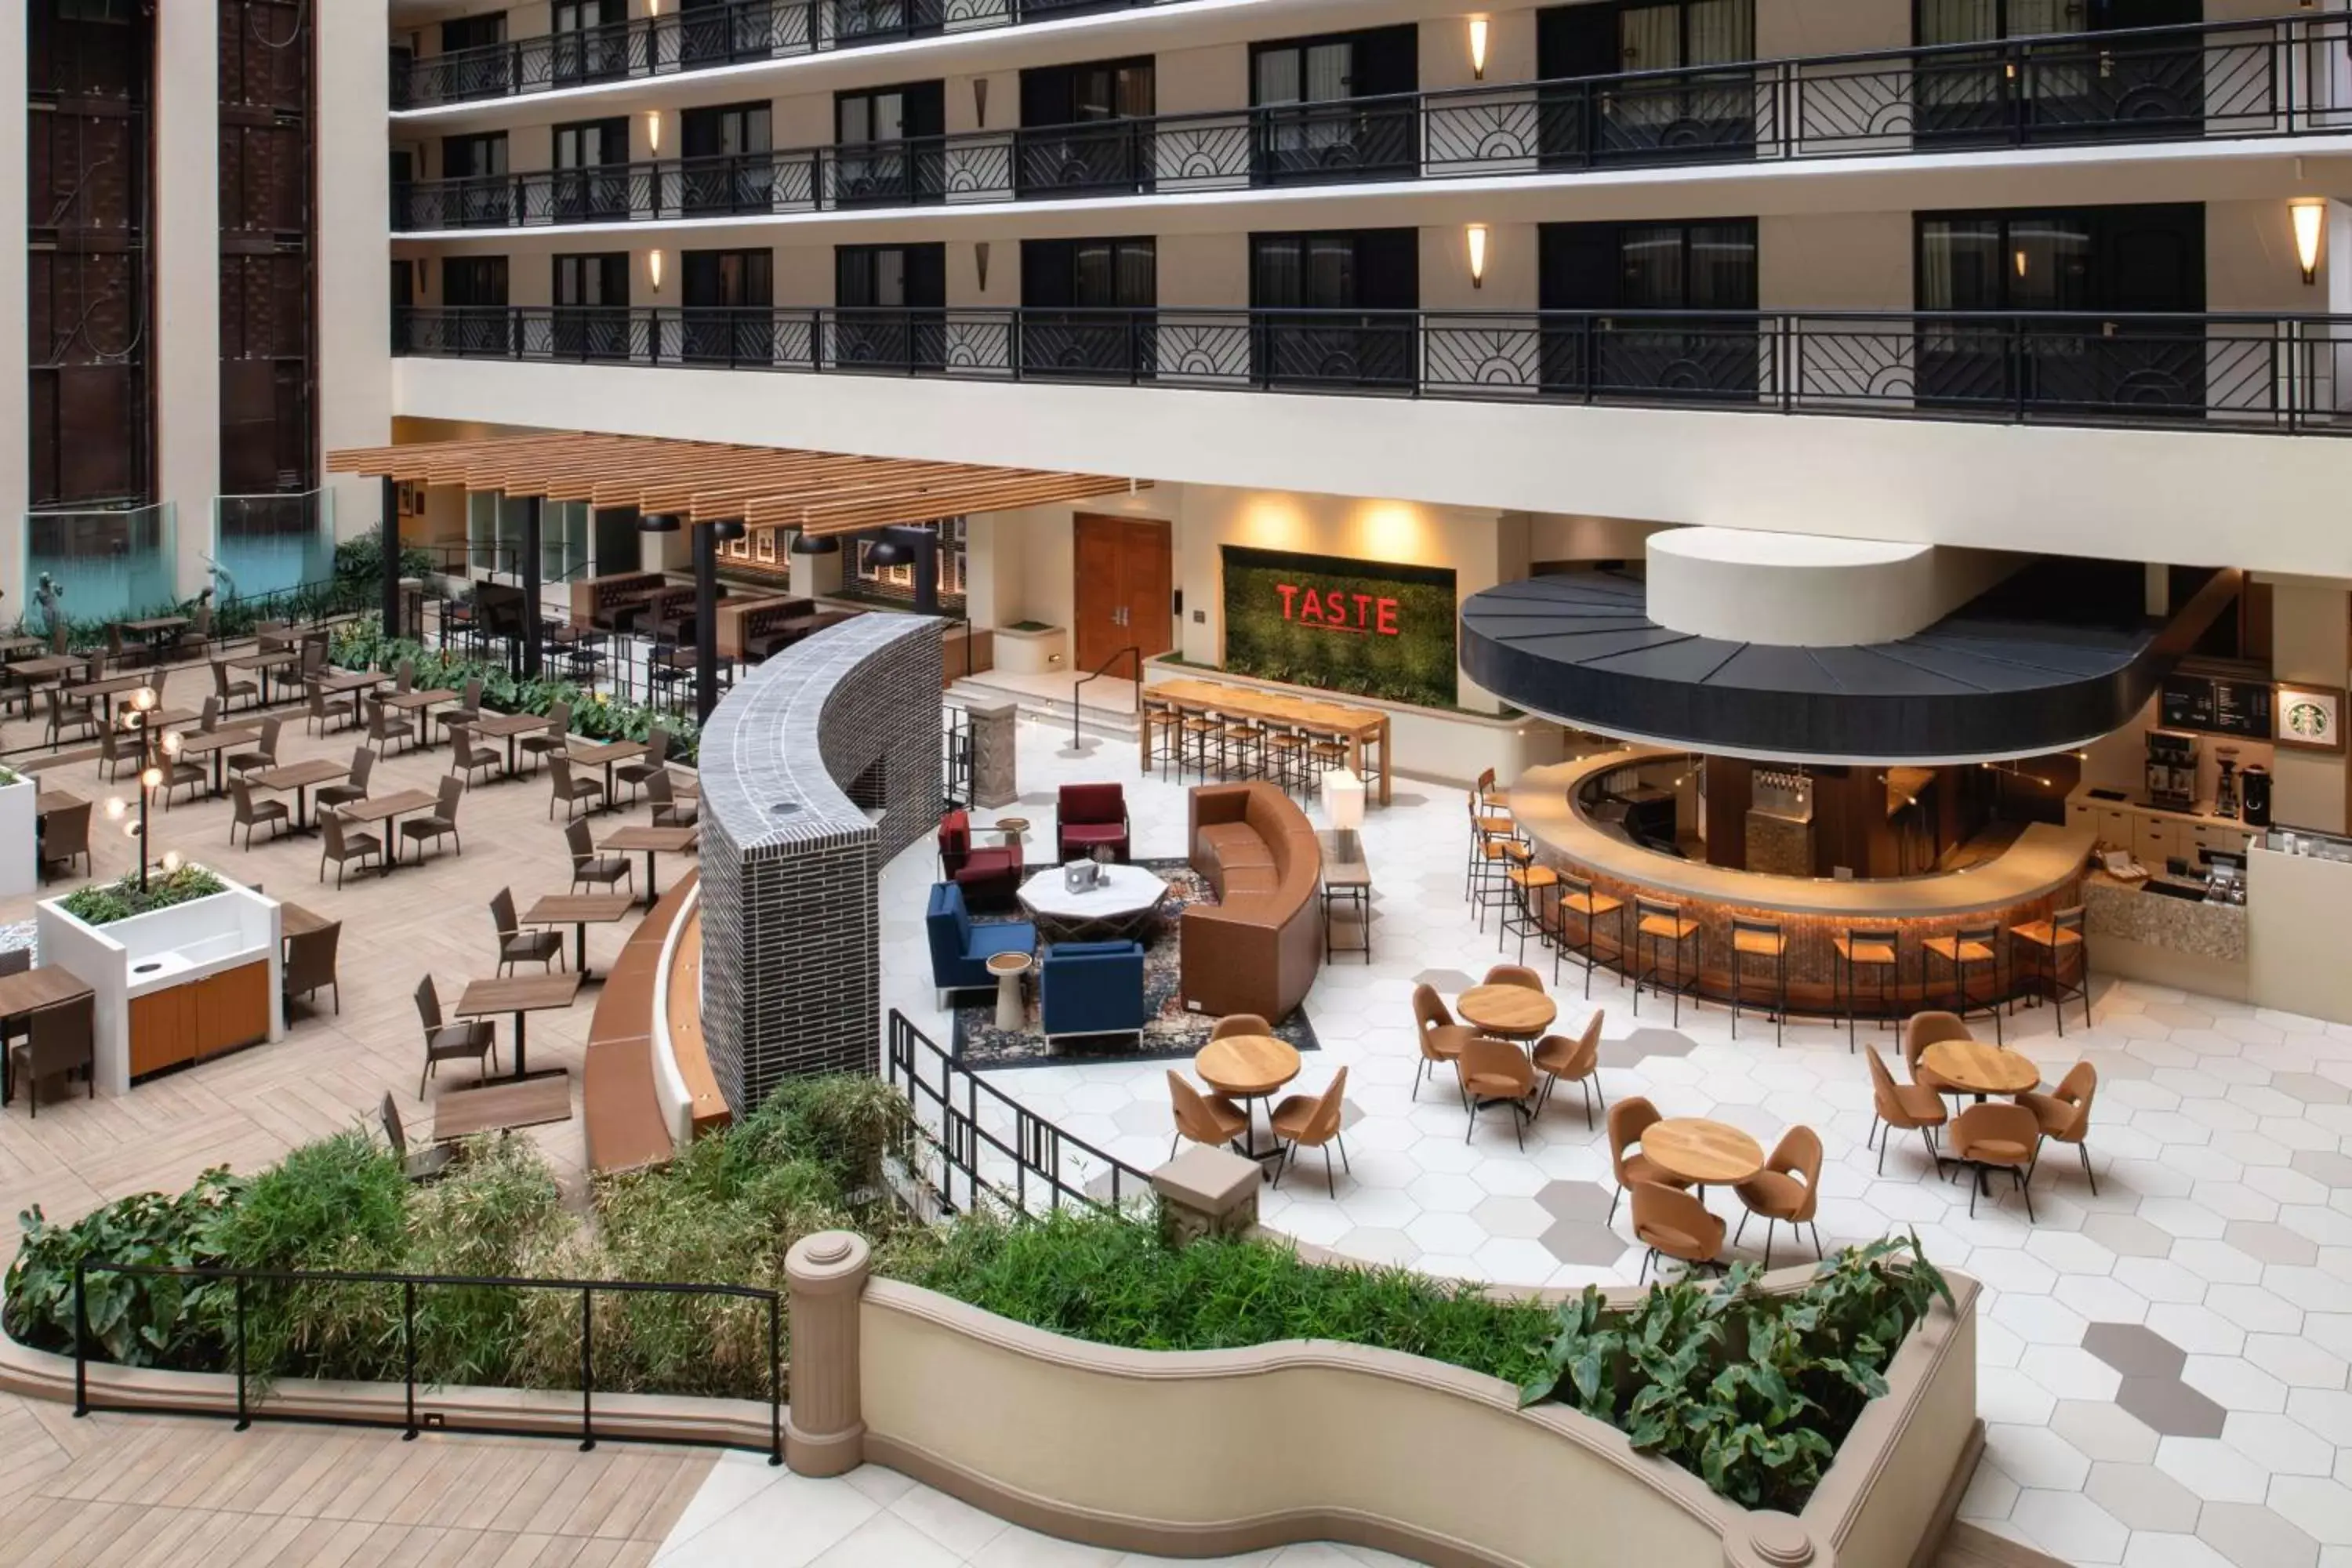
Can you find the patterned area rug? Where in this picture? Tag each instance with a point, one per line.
(1169, 1031)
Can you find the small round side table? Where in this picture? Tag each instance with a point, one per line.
(1014, 828)
(1012, 1013)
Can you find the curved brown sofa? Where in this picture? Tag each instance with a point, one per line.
(1257, 949)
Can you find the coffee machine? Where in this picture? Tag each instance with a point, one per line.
(2254, 785)
(2225, 787)
(2171, 770)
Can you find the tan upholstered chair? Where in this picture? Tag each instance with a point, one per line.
(1996, 1136)
(1788, 1188)
(2065, 1116)
(1313, 1120)
(1206, 1119)
(1925, 1029)
(1496, 1072)
(1239, 1024)
(1906, 1107)
(1576, 1061)
(1673, 1223)
(1441, 1037)
(1628, 1120)
(1514, 975)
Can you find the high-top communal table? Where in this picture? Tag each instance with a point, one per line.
(1362, 727)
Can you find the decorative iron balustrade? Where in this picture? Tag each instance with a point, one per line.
(2272, 373)
(2286, 78)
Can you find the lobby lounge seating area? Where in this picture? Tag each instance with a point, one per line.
(1259, 947)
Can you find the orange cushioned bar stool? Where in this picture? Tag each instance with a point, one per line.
(1241, 749)
(1674, 952)
(1577, 901)
(1860, 948)
(1326, 753)
(1761, 944)
(2060, 959)
(1162, 726)
(1198, 736)
(1286, 760)
(1523, 917)
(1968, 953)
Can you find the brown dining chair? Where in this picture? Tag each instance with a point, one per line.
(310, 962)
(339, 845)
(439, 823)
(1576, 1061)
(248, 813)
(474, 1037)
(467, 710)
(74, 714)
(1627, 1121)
(466, 757)
(62, 1039)
(1313, 1121)
(1514, 975)
(1789, 1188)
(355, 783)
(669, 811)
(208, 716)
(1441, 1037)
(328, 713)
(229, 690)
(403, 678)
(519, 946)
(386, 726)
(2065, 1116)
(118, 748)
(638, 775)
(1206, 1119)
(1496, 1072)
(1902, 1107)
(592, 869)
(65, 838)
(551, 741)
(1239, 1024)
(264, 751)
(422, 1165)
(1996, 1136)
(1924, 1029)
(1671, 1223)
(568, 791)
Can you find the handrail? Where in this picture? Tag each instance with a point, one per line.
(2233, 371)
(2223, 79)
(1077, 692)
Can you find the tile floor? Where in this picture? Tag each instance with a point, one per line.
(2163, 1365)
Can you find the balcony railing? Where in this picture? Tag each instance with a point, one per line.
(2291, 77)
(2273, 373)
(702, 40)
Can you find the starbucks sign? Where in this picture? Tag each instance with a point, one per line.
(2310, 718)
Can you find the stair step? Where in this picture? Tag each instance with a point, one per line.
(1092, 719)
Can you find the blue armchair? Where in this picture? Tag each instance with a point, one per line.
(960, 950)
(1092, 988)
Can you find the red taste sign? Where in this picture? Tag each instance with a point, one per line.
(1339, 610)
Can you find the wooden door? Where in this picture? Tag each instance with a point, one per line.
(1126, 581)
(232, 1008)
(162, 1030)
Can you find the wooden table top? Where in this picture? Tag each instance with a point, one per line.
(50, 800)
(1705, 1153)
(639, 837)
(48, 664)
(573, 909)
(111, 685)
(42, 986)
(1980, 1067)
(156, 624)
(1276, 705)
(1508, 1011)
(1246, 1065)
(205, 742)
(273, 659)
(339, 681)
(518, 993)
(19, 645)
(294, 775)
(495, 1107)
(409, 701)
(293, 920)
(597, 752)
(380, 807)
(510, 723)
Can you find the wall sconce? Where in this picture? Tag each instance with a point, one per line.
(2310, 215)
(980, 261)
(654, 269)
(979, 102)
(652, 128)
(1478, 49)
(1476, 235)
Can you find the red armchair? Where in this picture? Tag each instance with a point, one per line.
(988, 877)
(1092, 816)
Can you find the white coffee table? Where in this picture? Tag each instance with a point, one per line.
(1124, 904)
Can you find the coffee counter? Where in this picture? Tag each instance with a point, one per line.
(2149, 936)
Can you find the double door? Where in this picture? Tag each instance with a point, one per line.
(1667, 279)
(2045, 304)
(729, 165)
(589, 41)
(2120, 75)
(1335, 107)
(1086, 307)
(1337, 310)
(485, 199)
(591, 318)
(890, 146)
(1124, 598)
(729, 298)
(1646, 81)
(474, 289)
(890, 306)
(1085, 129)
(590, 179)
(709, 31)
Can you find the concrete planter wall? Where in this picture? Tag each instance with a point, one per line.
(1033, 653)
(20, 856)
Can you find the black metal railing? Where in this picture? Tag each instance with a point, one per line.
(2287, 76)
(1078, 692)
(955, 760)
(968, 1145)
(701, 39)
(242, 1282)
(2240, 372)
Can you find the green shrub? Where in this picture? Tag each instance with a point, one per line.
(844, 1124)
(102, 904)
(135, 1320)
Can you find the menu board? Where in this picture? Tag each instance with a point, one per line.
(2210, 706)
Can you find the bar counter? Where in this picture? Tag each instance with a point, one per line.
(2040, 871)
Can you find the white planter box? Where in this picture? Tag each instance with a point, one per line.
(1033, 653)
(20, 856)
(183, 943)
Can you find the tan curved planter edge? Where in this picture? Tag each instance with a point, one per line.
(1216, 1452)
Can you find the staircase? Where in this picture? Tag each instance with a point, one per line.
(1111, 720)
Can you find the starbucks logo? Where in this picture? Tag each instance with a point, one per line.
(2308, 720)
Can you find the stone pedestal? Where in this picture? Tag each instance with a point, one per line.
(824, 1275)
(994, 779)
(1207, 1192)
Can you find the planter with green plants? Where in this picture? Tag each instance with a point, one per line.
(1032, 647)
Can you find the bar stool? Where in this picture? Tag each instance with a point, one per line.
(1193, 743)
(1523, 916)
(1484, 828)
(1668, 931)
(1507, 857)
(1162, 728)
(1240, 750)
(1761, 938)
(1285, 759)
(2057, 948)
(1970, 948)
(1577, 898)
(1325, 753)
(1858, 947)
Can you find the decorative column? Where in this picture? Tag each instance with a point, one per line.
(825, 1277)
(391, 537)
(1206, 1192)
(529, 566)
(993, 763)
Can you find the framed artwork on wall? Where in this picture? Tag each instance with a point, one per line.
(2309, 718)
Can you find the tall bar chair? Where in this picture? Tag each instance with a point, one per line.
(1285, 758)
(1768, 941)
(1577, 898)
(1241, 749)
(2059, 959)
(1970, 951)
(1671, 935)
(1326, 752)
(1195, 737)
(1523, 917)
(1161, 728)
(1858, 947)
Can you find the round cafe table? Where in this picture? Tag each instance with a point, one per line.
(1506, 1012)
(1702, 1153)
(1975, 1067)
(1249, 1067)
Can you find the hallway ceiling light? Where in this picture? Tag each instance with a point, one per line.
(2310, 215)
(1476, 235)
(1478, 49)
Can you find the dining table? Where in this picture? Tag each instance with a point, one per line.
(1363, 728)
(1979, 1068)
(502, 1106)
(580, 911)
(520, 994)
(593, 753)
(299, 777)
(269, 662)
(1508, 1012)
(383, 808)
(28, 990)
(30, 672)
(1250, 1067)
(510, 727)
(217, 744)
(652, 841)
(1702, 1153)
(153, 629)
